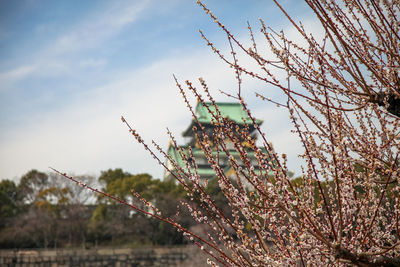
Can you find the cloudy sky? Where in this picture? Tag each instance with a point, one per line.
(70, 69)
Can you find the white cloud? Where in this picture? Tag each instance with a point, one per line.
(8, 77)
(99, 27)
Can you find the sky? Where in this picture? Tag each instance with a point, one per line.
(70, 69)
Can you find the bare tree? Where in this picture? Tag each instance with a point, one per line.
(345, 207)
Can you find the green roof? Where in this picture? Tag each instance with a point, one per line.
(232, 111)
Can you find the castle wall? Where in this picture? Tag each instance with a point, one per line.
(188, 256)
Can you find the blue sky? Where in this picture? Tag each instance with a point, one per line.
(70, 69)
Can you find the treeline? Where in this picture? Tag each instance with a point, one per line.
(46, 211)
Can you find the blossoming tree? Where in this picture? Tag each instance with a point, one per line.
(344, 209)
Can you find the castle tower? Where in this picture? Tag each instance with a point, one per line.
(239, 120)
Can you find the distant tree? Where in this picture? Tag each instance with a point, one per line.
(167, 197)
(43, 211)
(8, 200)
(109, 176)
(112, 222)
(9, 209)
(75, 216)
(31, 184)
(30, 227)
